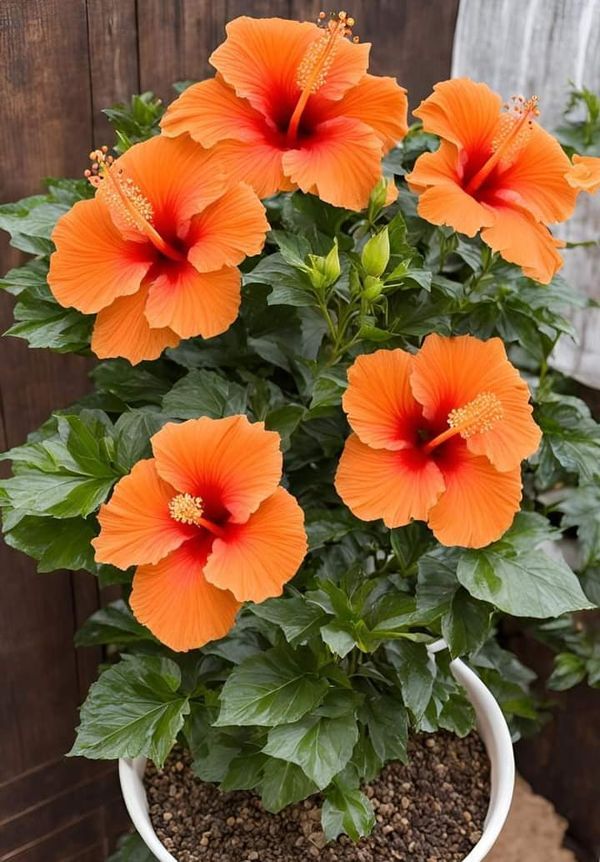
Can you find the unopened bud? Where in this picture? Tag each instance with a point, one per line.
(376, 253)
(372, 288)
(325, 270)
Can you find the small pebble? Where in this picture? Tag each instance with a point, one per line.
(420, 818)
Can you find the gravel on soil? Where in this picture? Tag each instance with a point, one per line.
(431, 809)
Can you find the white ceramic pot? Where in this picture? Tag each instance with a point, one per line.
(492, 729)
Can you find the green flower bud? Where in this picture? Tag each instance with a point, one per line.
(323, 271)
(372, 288)
(376, 254)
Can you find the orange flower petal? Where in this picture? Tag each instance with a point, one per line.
(342, 162)
(174, 600)
(479, 503)
(584, 174)
(135, 525)
(380, 103)
(448, 204)
(230, 463)
(450, 372)
(520, 239)
(379, 402)
(536, 179)
(260, 57)
(122, 330)
(462, 111)
(193, 303)
(211, 112)
(93, 264)
(259, 164)
(178, 177)
(378, 483)
(231, 228)
(255, 559)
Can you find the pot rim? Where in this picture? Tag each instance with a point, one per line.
(491, 725)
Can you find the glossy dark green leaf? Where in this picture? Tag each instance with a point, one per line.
(283, 784)
(204, 393)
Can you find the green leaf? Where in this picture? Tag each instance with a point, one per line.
(131, 384)
(55, 544)
(289, 286)
(245, 772)
(204, 393)
(320, 746)
(131, 848)
(44, 323)
(527, 584)
(268, 690)
(294, 247)
(113, 624)
(385, 716)
(409, 544)
(30, 222)
(285, 420)
(347, 810)
(134, 430)
(133, 709)
(457, 715)
(338, 638)
(571, 436)
(466, 625)
(416, 673)
(437, 582)
(298, 619)
(283, 784)
(569, 670)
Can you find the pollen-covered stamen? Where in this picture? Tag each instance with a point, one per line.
(125, 199)
(514, 130)
(186, 509)
(316, 63)
(476, 417)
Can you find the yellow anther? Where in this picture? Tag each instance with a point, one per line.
(476, 417)
(186, 509)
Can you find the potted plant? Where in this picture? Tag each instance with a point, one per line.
(323, 431)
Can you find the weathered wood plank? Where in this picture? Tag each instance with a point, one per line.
(175, 39)
(538, 46)
(112, 38)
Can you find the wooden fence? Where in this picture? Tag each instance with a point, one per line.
(61, 62)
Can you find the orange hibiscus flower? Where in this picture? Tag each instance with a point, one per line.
(584, 174)
(207, 526)
(439, 437)
(292, 106)
(154, 253)
(495, 171)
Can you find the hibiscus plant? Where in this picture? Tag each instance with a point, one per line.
(324, 430)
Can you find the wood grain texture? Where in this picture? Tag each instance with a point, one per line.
(538, 46)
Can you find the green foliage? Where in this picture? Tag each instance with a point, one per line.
(134, 708)
(581, 130)
(131, 849)
(315, 690)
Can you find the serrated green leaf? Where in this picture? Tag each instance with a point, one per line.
(338, 638)
(321, 746)
(133, 432)
(113, 624)
(298, 619)
(134, 708)
(55, 544)
(347, 810)
(530, 584)
(204, 393)
(268, 690)
(385, 716)
(416, 673)
(466, 624)
(283, 784)
(289, 286)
